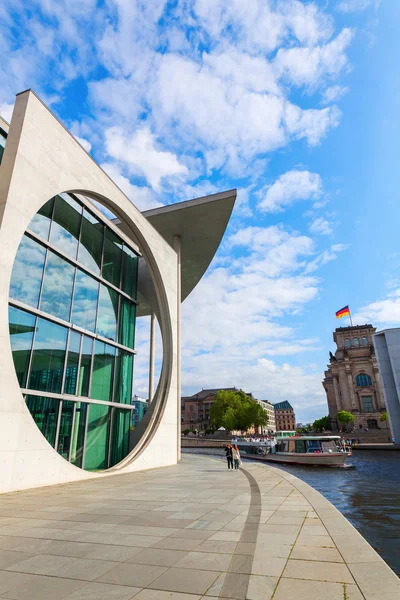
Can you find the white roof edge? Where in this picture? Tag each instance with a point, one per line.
(190, 203)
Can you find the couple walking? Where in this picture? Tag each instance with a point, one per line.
(232, 456)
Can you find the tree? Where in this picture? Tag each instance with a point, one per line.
(384, 417)
(345, 417)
(323, 423)
(236, 411)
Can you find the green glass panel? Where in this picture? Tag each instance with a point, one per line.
(57, 287)
(123, 377)
(71, 371)
(78, 436)
(129, 271)
(65, 432)
(85, 366)
(84, 306)
(40, 223)
(66, 224)
(45, 414)
(91, 242)
(48, 357)
(120, 435)
(107, 313)
(27, 273)
(112, 257)
(22, 327)
(126, 334)
(103, 371)
(96, 453)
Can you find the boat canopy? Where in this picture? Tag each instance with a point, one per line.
(323, 438)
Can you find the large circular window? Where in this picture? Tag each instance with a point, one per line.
(72, 321)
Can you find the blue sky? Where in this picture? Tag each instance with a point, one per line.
(292, 102)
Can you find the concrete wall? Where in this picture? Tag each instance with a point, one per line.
(387, 346)
(43, 159)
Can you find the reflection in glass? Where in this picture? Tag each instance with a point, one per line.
(27, 272)
(71, 371)
(96, 455)
(91, 243)
(78, 436)
(40, 223)
(126, 334)
(22, 326)
(48, 357)
(85, 366)
(45, 413)
(65, 432)
(129, 272)
(107, 313)
(123, 377)
(103, 371)
(57, 287)
(112, 258)
(85, 301)
(120, 435)
(66, 224)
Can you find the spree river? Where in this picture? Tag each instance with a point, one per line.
(368, 495)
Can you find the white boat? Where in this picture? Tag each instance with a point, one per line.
(326, 450)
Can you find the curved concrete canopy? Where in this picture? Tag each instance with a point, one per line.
(200, 224)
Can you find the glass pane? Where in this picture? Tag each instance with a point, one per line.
(127, 323)
(45, 413)
(129, 272)
(123, 377)
(48, 357)
(84, 369)
(91, 243)
(66, 224)
(103, 371)
(96, 455)
(78, 436)
(120, 435)
(71, 372)
(27, 272)
(22, 326)
(57, 287)
(40, 223)
(65, 433)
(112, 257)
(85, 301)
(107, 313)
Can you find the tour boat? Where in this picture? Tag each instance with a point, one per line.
(326, 450)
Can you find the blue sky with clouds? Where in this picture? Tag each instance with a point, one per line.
(292, 102)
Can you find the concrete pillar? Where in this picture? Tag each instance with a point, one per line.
(351, 391)
(177, 248)
(337, 394)
(152, 355)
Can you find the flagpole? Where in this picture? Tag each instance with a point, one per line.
(351, 320)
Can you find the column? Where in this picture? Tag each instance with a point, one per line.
(152, 355)
(337, 393)
(351, 390)
(177, 248)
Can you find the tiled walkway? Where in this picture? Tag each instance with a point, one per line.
(190, 532)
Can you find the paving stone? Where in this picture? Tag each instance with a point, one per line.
(235, 586)
(170, 543)
(41, 564)
(191, 581)
(160, 595)
(263, 564)
(226, 536)
(241, 563)
(217, 547)
(84, 568)
(316, 553)
(296, 589)
(113, 553)
(205, 560)
(158, 557)
(133, 575)
(321, 541)
(261, 588)
(321, 571)
(40, 587)
(104, 591)
(193, 534)
(10, 557)
(375, 580)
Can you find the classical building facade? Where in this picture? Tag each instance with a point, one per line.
(285, 418)
(352, 381)
(72, 285)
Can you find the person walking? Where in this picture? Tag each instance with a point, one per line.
(236, 456)
(229, 456)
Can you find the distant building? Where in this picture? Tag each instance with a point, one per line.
(139, 409)
(352, 380)
(387, 346)
(269, 407)
(285, 418)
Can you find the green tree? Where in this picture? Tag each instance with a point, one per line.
(384, 417)
(344, 417)
(236, 411)
(323, 423)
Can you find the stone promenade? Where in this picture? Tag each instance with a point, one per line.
(190, 532)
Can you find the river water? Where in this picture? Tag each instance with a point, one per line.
(368, 495)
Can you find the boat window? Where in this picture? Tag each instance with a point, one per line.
(292, 447)
(314, 446)
(329, 445)
(300, 446)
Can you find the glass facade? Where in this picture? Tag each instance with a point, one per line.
(72, 327)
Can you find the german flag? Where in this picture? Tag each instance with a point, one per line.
(343, 312)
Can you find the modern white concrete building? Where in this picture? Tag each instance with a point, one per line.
(72, 284)
(387, 348)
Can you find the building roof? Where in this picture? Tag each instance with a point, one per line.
(354, 327)
(283, 405)
(212, 392)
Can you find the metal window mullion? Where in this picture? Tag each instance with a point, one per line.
(58, 424)
(70, 398)
(65, 361)
(52, 217)
(28, 371)
(85, 435)
(72, 432)
(79, 366)
(91, 368)
(112, 416)
(43, 276)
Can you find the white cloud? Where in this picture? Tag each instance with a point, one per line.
(334, 93)
(139, 153)
(290, 187)
(84, 143)
(382, 312)
(142, 197)
(322, 226)
(326, 256)
(348, 6)
(6, 111)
